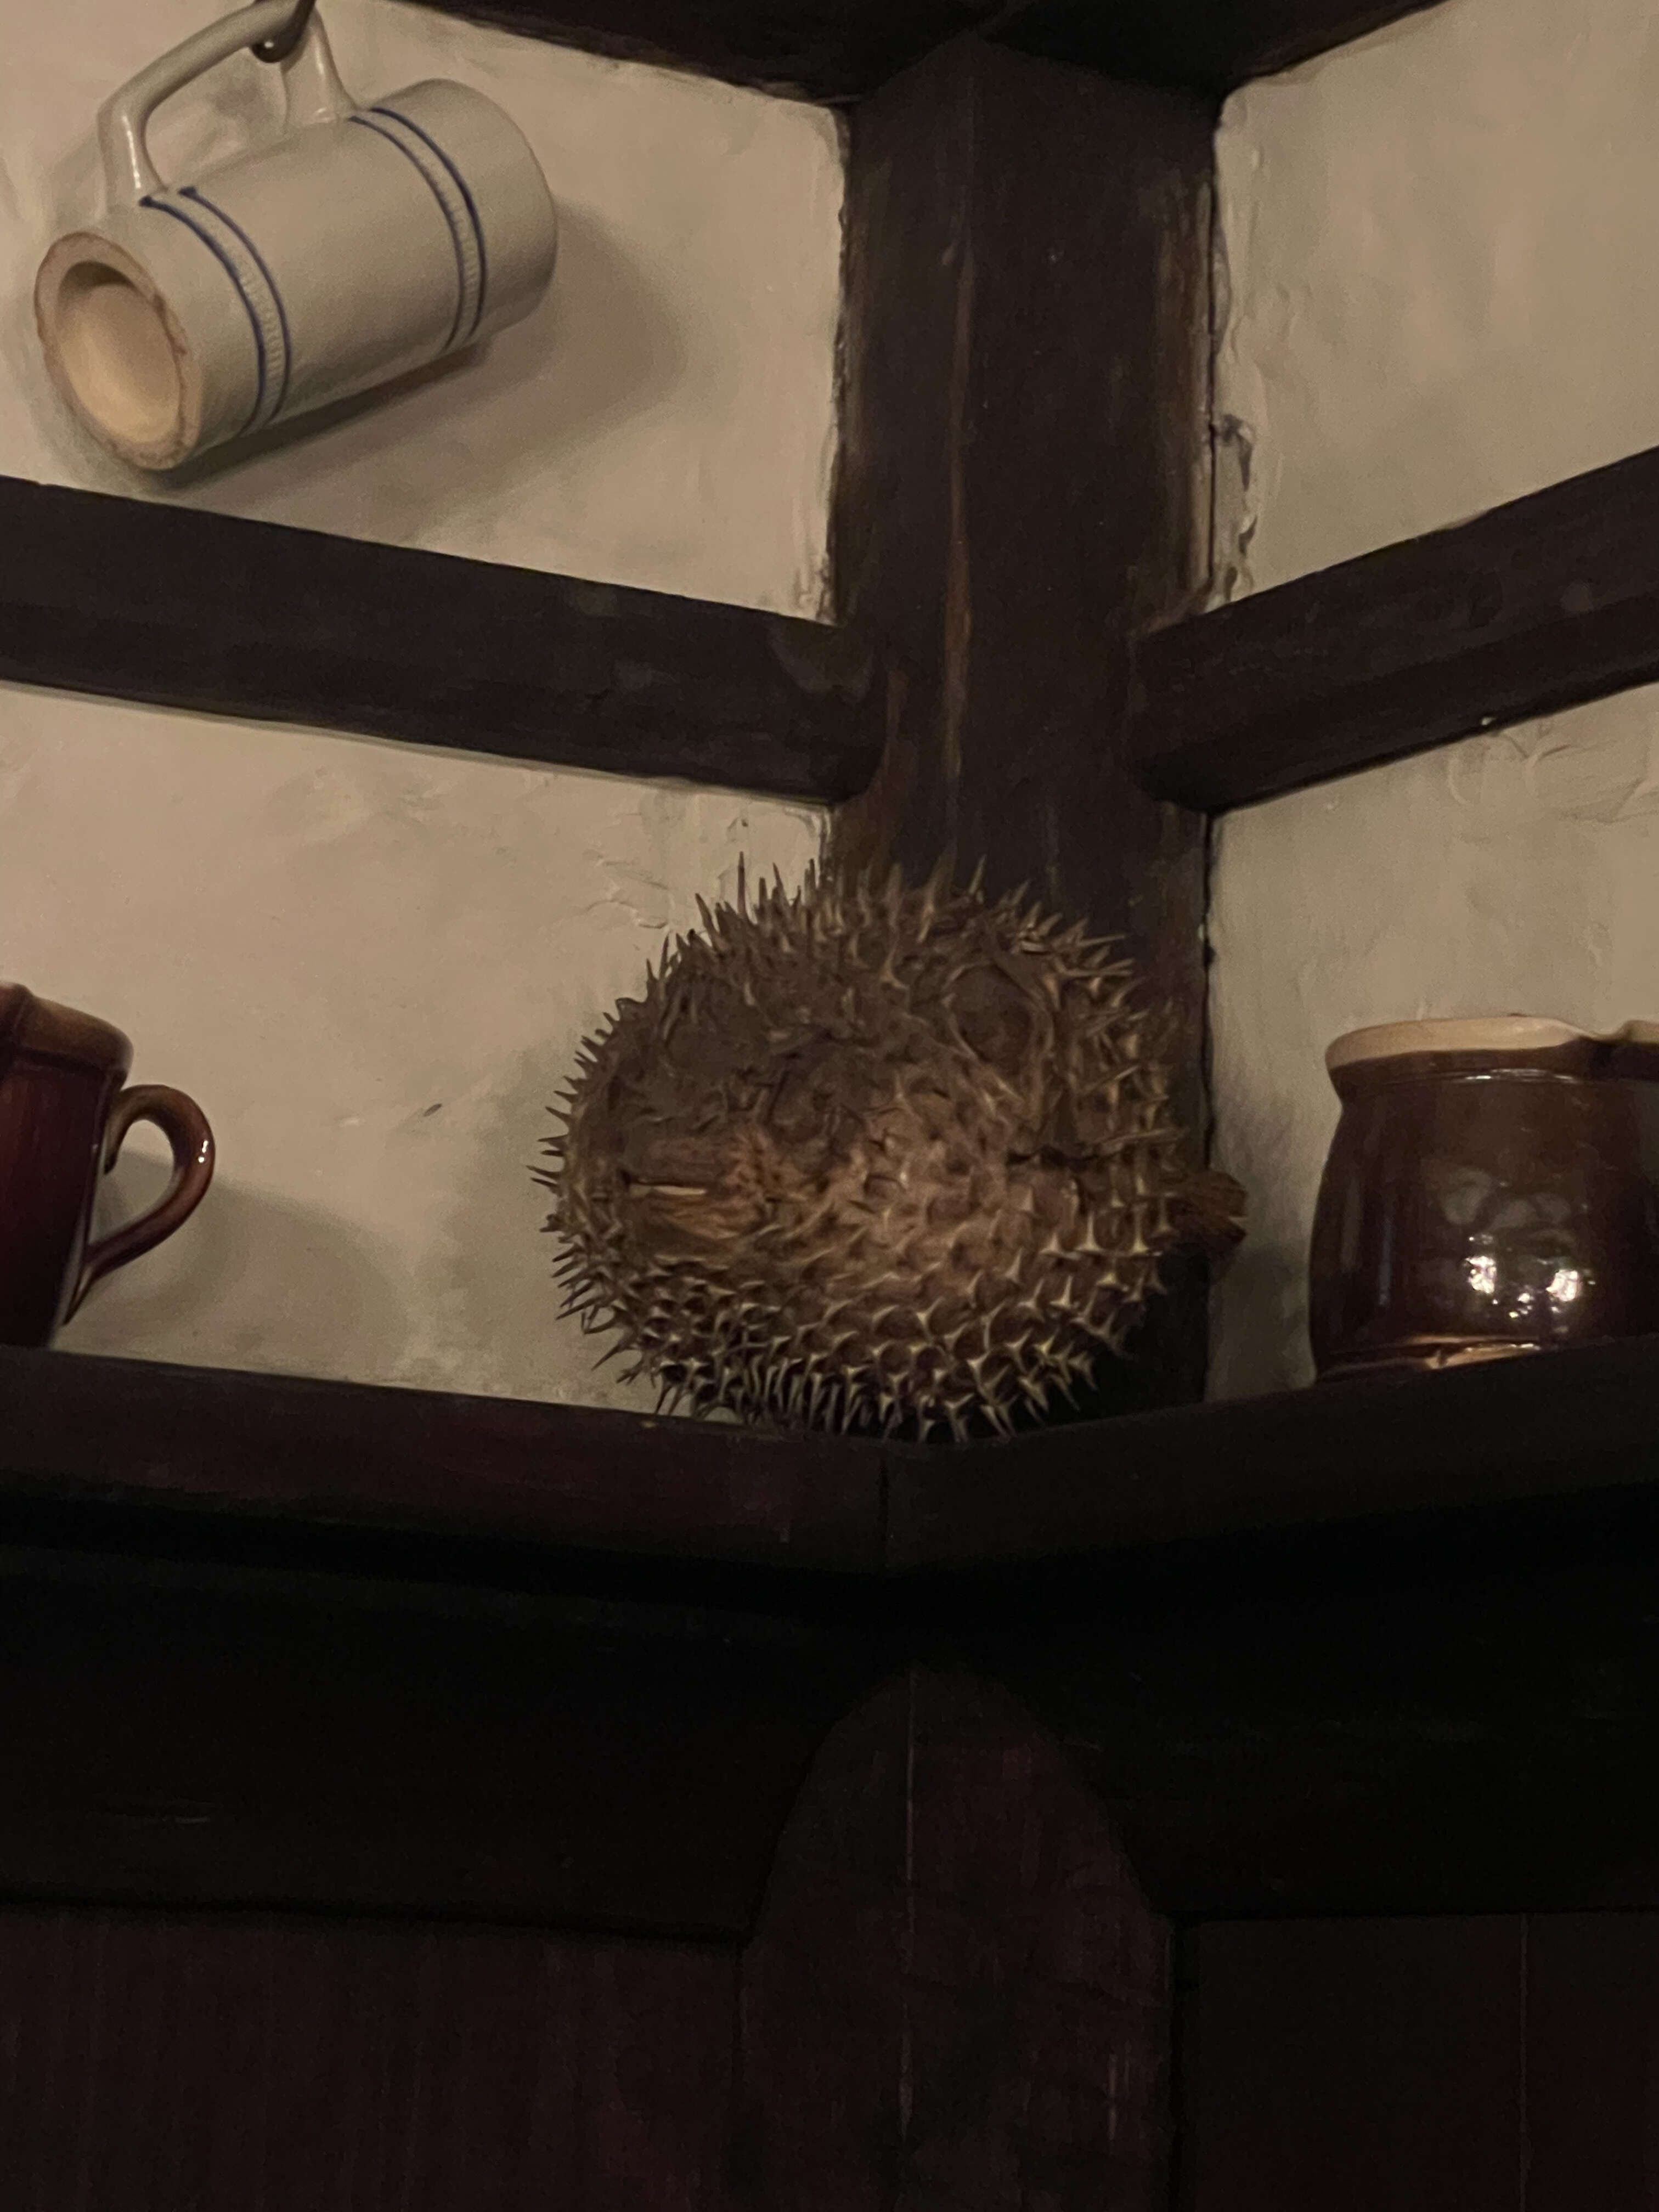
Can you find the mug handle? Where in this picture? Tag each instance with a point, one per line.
(314, 92)
(184, 1125)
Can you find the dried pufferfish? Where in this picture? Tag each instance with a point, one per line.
(874, 1158)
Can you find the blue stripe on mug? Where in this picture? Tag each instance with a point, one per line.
(465, 192)
(200, 230)
(190, 192)
(443, 180)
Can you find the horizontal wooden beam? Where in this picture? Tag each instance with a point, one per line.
(271, 1642)
(136, 599)
(86, 1437)
(1445, 1715)
(1497, 1434)
(1540, 604)
(841, 49)
(189, 1734)
(1199, 45)
(267, 1453)
(825, 49)
(1382, 1646)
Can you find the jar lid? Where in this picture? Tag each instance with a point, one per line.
(1509, 1033)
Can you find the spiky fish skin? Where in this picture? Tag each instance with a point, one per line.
(869, 1158)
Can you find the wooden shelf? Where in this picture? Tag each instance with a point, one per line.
(134, 600)
(1541, 605)
(1513, 1432)
(282, 1454)
(1382, 1646)
(840, 50)
(608, 1491)
(272, 1642)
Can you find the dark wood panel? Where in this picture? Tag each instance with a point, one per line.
(1552, 1426)
(1448, 1713)
(151, 2064)
(1593, 2062)
(135, 600)
(1374, 2065)
(1026, 332)
(839, 50)
(1540, 604)
(279, 1448)
(190, 1735)
(957, 1995)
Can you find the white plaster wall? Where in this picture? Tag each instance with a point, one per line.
(1438, 244)
(1443, 294)
(372, 963)
(666, 418)
(1517, 873)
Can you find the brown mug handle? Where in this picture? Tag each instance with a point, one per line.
(184, 1125)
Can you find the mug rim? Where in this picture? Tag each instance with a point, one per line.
(91, 248)
(1512, 1033)
(42, 1029)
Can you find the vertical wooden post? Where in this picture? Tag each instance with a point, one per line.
(1026, 351)
(958, 1995)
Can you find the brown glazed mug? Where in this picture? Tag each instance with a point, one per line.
(63, 1115)
(1493, 1187)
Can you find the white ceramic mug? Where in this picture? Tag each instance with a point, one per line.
(362, 243)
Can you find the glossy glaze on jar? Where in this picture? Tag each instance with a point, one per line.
(1493, 1187)
(62, 1116)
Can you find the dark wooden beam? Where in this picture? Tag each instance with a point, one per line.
(1440, 1715)
(1025, 336)
(843, 50)
(134, 600)
(1382, 1646)
(1202, 45)
(1374, 1647)
(192, 1734)
(604, 1494)
(825, 49)
(266, 1452)
(1541, 604)
(1508, 1432)
(269, 1642)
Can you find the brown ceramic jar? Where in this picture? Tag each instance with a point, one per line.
(62, 1116)
(1493, 1187)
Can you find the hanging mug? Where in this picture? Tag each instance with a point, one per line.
(363, 242)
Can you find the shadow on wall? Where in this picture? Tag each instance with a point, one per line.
(1259, 1322)
(489, 1293)
(253, 1281)
(602, 348)
(249, 1282)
